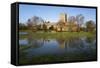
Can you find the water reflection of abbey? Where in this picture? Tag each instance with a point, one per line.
(72, 43)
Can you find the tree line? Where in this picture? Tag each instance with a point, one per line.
(36, 23)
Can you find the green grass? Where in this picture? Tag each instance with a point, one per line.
(79, 56)
(56, 35)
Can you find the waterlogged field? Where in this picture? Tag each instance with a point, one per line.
(43, 47)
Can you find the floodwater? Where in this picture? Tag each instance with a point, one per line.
(79, 48)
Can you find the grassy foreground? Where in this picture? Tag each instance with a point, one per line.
(56, 35)
(79, 56)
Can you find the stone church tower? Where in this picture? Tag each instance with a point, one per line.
(62, 24)
(63, 17)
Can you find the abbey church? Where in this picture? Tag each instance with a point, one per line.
(63, 24)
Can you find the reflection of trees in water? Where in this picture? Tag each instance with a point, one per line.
(89, 39)
(69, 43)
(36, 42)
(61, 43)
(75, 43)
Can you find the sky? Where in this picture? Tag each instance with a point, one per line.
(51, 13)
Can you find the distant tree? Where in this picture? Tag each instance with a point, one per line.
(31, 25)
(80, 19)
(39, 27)
(51, 28)
(82, 29)
(44, 27)
(22, 26)
(71, 22)
(34, 23)
(48, 22)
(90, 26)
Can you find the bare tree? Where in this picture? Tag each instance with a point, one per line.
(80, 20)
(34, 22)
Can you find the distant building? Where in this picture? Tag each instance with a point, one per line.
(64, 23)
(67, 24)
(63, 17)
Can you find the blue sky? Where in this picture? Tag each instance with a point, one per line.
(51, 13)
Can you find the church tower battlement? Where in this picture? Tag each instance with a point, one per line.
(63, 17)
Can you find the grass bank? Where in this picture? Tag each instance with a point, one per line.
(57, 35)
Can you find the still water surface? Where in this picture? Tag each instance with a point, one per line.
(38, 47)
